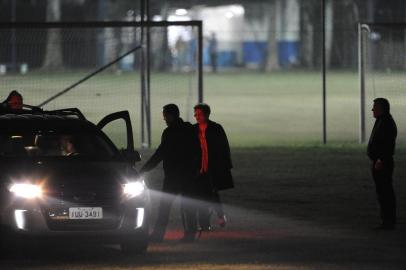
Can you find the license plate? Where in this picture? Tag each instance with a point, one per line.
(85, 213)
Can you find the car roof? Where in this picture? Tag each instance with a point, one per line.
(28, 120)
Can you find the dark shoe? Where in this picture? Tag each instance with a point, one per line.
(202, 229)
(222, 221)
(207, 228)
(188, 238)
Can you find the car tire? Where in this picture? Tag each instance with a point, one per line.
(7, 242)
(135, 247)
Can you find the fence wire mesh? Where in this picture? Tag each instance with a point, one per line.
(42, 62)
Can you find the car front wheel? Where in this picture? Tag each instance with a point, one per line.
(136, 244)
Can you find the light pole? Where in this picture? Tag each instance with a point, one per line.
(323, 27)
(13, 37)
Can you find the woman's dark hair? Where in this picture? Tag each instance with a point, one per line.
(204, 108)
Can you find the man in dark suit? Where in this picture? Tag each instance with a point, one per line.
(381, 148)
(178, 152)
(215, 166)
(213, 52)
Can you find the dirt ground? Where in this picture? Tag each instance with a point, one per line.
(253, 240)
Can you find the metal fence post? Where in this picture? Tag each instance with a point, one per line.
(200, 61)
(361, 66)
(323, 12)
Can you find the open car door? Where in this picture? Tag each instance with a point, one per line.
(122, 115)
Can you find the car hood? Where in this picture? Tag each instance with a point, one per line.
(67, 173)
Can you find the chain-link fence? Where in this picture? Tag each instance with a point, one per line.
(102, 69)
(262, 64)
(383, 58)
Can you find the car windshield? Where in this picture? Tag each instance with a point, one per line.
(55, 144)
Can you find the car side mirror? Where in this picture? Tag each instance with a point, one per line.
(131, 155)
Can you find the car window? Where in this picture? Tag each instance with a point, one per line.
(51, 143)
(114, 130)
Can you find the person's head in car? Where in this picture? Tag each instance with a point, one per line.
(14, 101)
(68, 147)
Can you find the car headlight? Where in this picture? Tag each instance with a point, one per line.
(28, 191)
(133, 189)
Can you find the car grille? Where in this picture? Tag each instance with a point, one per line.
(60, 199)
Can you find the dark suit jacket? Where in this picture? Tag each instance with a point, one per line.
(382, 142)
(178, 152)
(219, 156)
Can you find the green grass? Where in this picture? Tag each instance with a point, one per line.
(256, 109)
(330, 186)
(273, 121)
(327, 185)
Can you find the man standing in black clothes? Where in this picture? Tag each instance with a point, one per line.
(177, 151)
(215, 166)
(381, 148)
(213, 52)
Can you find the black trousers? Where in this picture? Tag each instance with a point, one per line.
(188, 211)
(166, 200)
(385, 193)
(213, 62)
(208, 199)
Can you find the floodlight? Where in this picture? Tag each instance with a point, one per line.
(181, 12)
(229, 14)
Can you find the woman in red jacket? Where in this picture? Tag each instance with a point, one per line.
(215, 166)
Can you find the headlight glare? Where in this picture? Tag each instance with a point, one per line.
(28, 191)
(133, 189)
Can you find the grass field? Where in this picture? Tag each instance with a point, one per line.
(326, 185)
(273, 121)
(256, 109)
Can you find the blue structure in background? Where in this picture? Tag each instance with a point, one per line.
(288, 53)
(254, 52)
(224, 58)
(227, 58)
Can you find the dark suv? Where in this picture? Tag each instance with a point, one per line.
(62, 178)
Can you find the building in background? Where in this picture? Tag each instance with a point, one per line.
(243, 32)
(258, 34)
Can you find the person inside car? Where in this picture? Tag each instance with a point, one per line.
(68, 146)
(14, 101)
